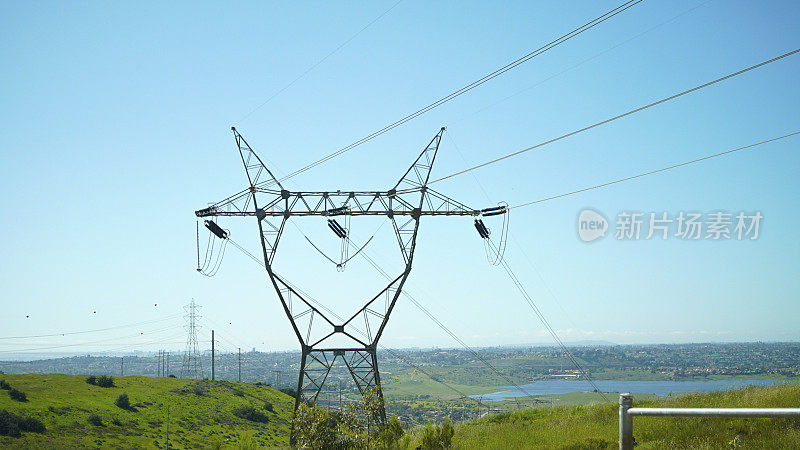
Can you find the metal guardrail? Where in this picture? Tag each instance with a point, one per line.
(627, 411)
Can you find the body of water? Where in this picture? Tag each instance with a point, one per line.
(663, 388)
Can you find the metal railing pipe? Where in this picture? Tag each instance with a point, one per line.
(627, 412)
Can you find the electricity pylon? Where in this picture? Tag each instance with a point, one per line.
(192, 366)
(272, 206)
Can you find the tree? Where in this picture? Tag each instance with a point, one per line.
(312, 428)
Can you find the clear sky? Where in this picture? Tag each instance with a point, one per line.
(116, 128)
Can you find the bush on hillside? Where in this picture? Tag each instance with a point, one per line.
(9, 424)
(289, 391)
(31, 424)
(268, 406)
(12, 424)
(17, 395)
(436, 436)
(123, 401)
(171, 376)
(101, 381)
(251, 414)
(95, 420)
(105, 381)
(4, 385)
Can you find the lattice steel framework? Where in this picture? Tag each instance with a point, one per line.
(192, 366)
(272, 206)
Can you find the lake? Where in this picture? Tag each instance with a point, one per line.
(662, 388)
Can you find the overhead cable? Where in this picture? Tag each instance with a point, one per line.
(592, 23)
(633, 111)
(663, 169)
(315, 65)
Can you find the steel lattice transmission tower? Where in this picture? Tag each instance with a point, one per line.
(192, 366)
(271, 205)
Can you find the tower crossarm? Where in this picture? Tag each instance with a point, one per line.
(283, 203)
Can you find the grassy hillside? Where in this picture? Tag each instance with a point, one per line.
(596, 426)
(201, 413)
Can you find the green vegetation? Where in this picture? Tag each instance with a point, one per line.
(415, 383)
(123, 401)
(63, 404)
(435, 436)
(102, 381)
(352, 428)
(17, 395)
(596, 426)
(12, 424)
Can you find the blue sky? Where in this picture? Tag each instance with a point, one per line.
(116, 127)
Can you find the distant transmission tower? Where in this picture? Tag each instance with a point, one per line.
(192, 366)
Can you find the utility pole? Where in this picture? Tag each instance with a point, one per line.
(167, 371)
(167, 427)
(240, 364)
(122, 366)
(212, 355)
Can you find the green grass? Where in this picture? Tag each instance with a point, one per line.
(596, 426)
(414, 383)
(64, 402)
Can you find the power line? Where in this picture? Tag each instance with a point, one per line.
(147, 322)
(448, 331)
(88, 343)
(663, 169)
(574, 66)
(315, 65)
(538, 312)
(468, 87)
(633, 111)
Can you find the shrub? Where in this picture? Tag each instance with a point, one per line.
(31, 424)
(268, 406)
(95, 420)
(435, 436)
(116, 422)
(171, 376)
(4, 385)
(289, 391)
(123, 401)
(238, 393)
(105, 381)
(251, 414)
(11, 424)
(17, 395)
(91, 379)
